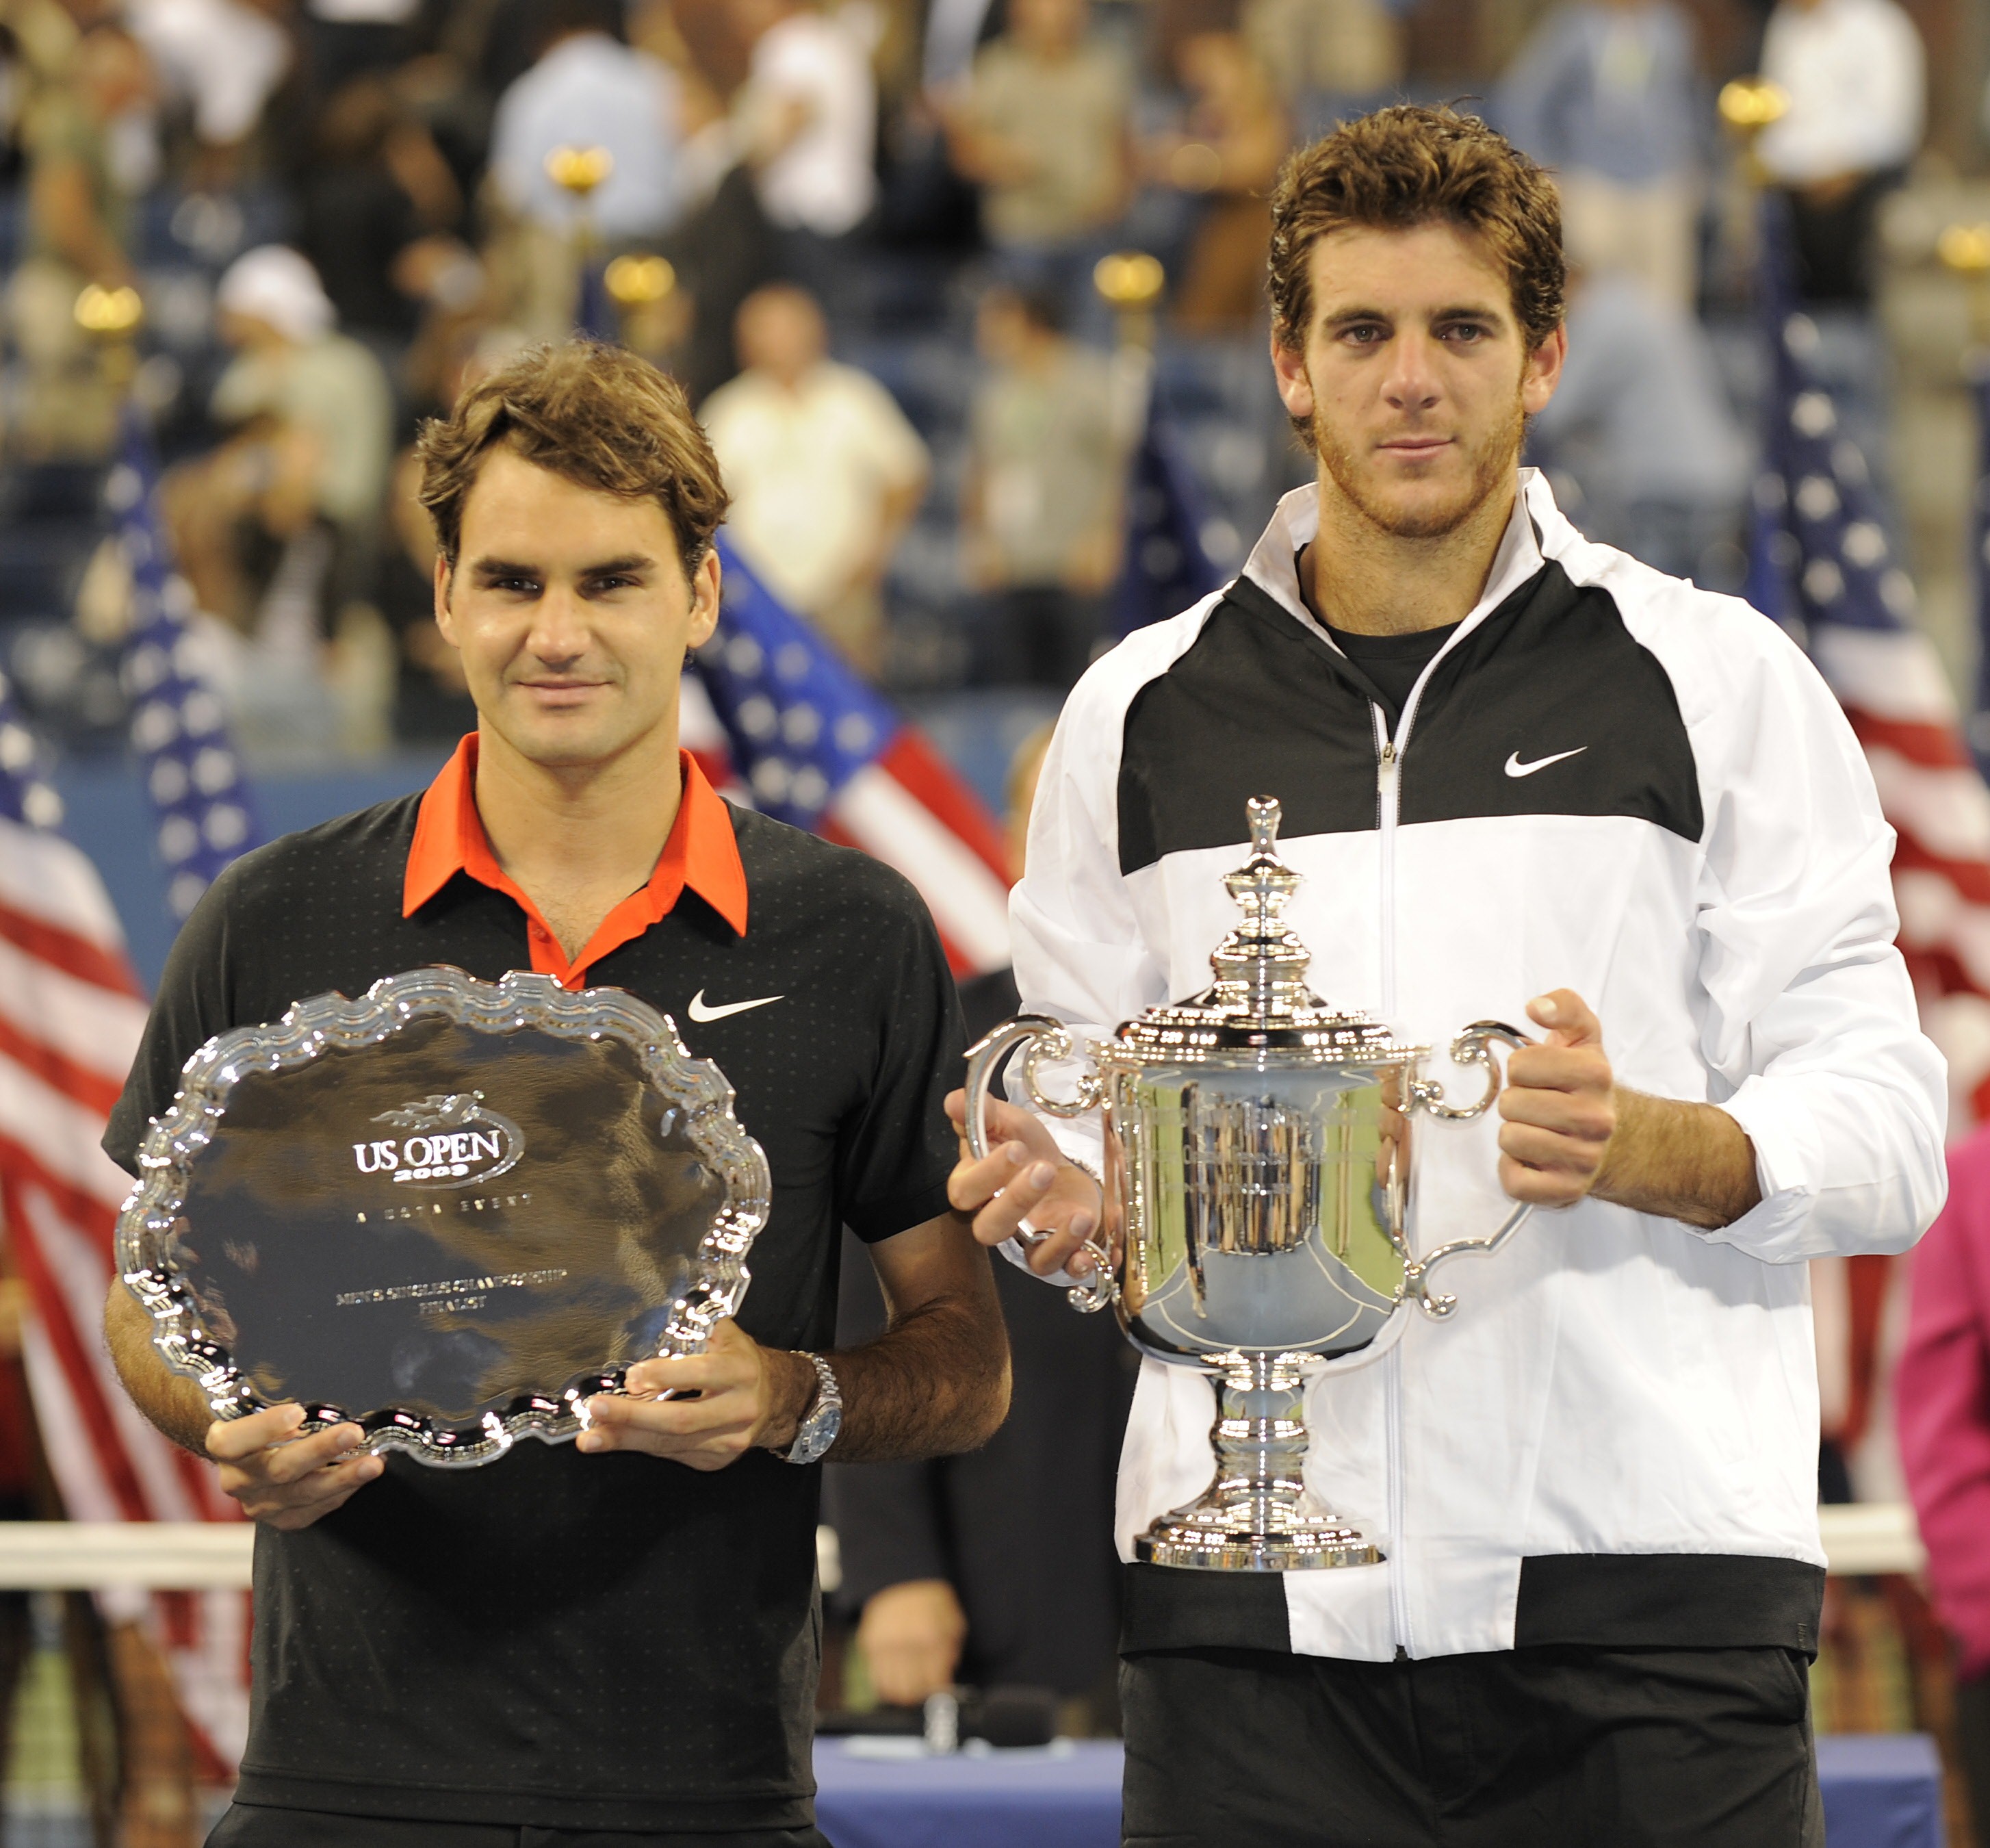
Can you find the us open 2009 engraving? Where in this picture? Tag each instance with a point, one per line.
(314, 1220)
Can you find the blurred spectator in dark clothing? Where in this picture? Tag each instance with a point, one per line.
(78, 219)
(1040, 505)
(1044, 128)
(1604, 92)
(824, 470)
(513, 34)
(1942, 1394)
(929, 1551)
(724, 252)
(299, 483)
(1642, 423)
(378, 186)
(1854, 72)
(347, 38)
(431, 702)
(1226, 156)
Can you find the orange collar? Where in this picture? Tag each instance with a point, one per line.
(702, 852)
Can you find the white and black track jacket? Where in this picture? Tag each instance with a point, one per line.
(1607, 780)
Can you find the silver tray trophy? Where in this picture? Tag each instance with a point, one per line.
(1257, 1189)
(451, 1212)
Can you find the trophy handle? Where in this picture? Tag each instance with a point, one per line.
(1472, 1047)
(1046, 1038)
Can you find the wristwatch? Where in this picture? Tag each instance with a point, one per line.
(824, 1423)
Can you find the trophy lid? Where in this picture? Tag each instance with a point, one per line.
(1260, 1002)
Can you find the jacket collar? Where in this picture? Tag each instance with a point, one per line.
(1273, 565)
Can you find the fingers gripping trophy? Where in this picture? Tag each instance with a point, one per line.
(1259, 1189)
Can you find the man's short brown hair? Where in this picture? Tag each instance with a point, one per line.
(1406, 166)
(598, 416)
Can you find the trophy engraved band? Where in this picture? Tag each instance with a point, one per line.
(451, 1212)
(1257, 1189)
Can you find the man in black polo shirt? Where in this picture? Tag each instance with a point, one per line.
(582, 1641)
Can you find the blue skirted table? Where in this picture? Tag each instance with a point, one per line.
(1880, 1791)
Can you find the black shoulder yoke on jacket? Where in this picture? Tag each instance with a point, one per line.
(1258, 704)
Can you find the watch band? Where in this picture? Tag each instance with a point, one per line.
(823, 1423)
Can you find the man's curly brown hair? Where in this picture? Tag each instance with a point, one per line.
(1405, 166)
(595, 415)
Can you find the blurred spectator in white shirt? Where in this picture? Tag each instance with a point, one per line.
(808, 114)
(824, 470)
(1043, 130)
(223, 59)
(1040, 507)
(1856, 76)
(1604, 92)
(1641, 421)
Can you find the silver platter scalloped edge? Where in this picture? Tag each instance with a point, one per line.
(330, 1021)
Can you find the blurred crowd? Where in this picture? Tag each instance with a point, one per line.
(863, 234)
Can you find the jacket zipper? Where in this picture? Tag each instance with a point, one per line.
(1388, 794)
(1388, 776)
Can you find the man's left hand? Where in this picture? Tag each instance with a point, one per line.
(747, 1395)
(1559, 1109)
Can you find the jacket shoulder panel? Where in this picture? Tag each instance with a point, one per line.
(1552, 706)
(1256, 705)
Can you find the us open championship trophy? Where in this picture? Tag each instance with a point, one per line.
(1258, 1190)
(449, 1212)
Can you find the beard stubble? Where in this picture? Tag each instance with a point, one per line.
(1493, 462)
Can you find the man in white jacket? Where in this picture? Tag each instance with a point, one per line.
(1517, 769)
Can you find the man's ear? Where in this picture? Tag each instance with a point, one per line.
(704, 589)
(1295, 387)
(1543, 372)
(444, 616)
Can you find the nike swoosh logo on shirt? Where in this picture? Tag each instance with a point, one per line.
(698, 1011)
(1515, 768)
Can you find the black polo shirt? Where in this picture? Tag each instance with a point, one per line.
(556, 1640)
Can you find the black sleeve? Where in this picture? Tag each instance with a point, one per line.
(192, 1005)
(897, 1148)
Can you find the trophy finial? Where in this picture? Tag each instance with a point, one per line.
(1264, 814)
(1261, 966)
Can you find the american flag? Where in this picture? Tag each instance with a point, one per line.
(71, 1011)
(1829, 565)
(179, 733)
(1821, 564)
(1167, 568)
(776, 713)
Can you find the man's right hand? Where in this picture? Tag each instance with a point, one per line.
(1025, 1175)
(283, 1480)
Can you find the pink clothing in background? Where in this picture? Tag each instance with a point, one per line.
(1943, 1393)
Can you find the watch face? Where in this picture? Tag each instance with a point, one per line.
(818, 1434)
